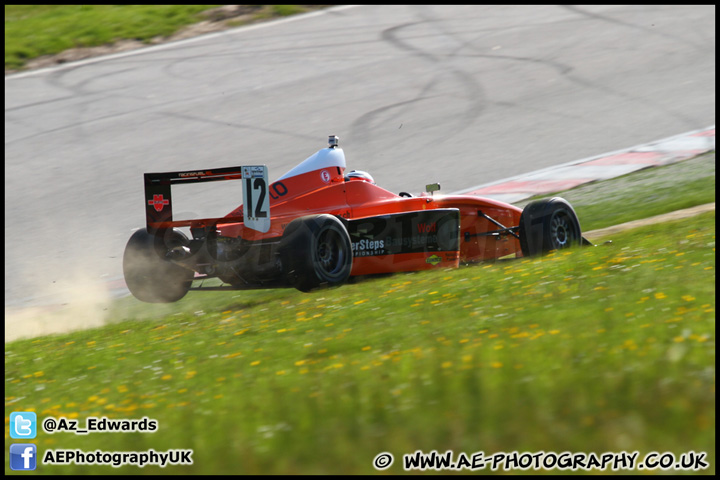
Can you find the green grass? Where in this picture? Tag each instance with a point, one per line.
(32, 31)
(35, 30)
(588, 350)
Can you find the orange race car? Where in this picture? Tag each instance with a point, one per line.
(319, 225)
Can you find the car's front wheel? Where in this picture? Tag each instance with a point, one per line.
(548, 224)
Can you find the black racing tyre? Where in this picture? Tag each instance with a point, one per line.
(548, 224)
(149, 275)
(315, 251)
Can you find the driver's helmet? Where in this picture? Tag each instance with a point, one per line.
(359, 175)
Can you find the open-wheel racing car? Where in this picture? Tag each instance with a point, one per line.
(319, 225)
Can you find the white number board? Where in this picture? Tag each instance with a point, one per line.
(256, 201)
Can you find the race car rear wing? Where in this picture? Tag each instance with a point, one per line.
(256, 201)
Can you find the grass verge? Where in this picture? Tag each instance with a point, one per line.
(642, 194)
(32, 31)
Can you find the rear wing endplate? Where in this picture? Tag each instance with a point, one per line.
(256, 201)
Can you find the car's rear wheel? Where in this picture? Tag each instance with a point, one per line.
(548, 224)
(316, 252)
(149, 274)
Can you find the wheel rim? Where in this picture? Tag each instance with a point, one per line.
(561, 231)
(330, 253)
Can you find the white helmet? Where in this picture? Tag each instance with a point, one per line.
(359, 175)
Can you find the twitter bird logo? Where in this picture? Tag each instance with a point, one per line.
(23, 425)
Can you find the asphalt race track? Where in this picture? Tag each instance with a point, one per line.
(460, 95)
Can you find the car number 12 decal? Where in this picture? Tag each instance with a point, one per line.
(256, 201)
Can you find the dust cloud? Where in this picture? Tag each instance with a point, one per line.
(76, 305)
